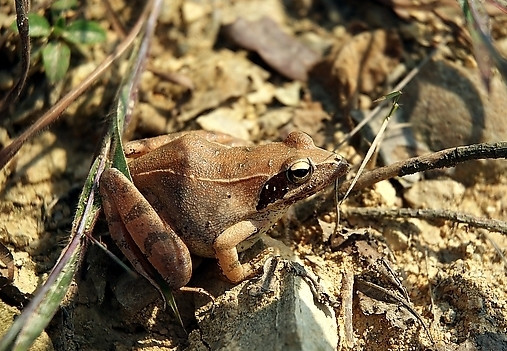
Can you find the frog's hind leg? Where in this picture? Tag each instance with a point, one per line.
(129, 248)
(141, 234)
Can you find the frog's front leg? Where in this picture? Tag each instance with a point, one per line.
(129, 214)
(227, 253)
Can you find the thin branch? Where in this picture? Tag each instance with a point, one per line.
(115, 21)
(441, 159)
(382, 294)
(430, 214)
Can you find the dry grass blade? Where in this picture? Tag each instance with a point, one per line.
(395, 96)
(22, 7)
(346, 329)
(478, 26)
(500, 4)
(373, 113)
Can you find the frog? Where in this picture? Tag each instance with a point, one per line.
(209, 195)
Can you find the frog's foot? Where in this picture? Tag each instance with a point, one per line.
(232, 268)
(226, 251)
(237, 272)
(263, 284)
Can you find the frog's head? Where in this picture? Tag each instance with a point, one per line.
(304, 171)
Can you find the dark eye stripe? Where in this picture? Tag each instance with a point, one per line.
(273, 189)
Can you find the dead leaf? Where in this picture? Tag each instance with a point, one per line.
(281, 51)
(218, 77)
(310, 119)
(361, 64)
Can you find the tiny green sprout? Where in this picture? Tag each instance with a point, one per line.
(395, 95)
(56, 39)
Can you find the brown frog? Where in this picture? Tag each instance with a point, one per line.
(194, 193)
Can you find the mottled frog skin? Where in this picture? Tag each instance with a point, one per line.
(199, 193)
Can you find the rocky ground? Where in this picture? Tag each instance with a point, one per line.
(397, 284)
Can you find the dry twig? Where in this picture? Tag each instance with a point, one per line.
(430, 214)
(441, 159)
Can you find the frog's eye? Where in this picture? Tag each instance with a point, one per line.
(299, 172)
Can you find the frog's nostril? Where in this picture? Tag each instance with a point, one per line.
(342, 165)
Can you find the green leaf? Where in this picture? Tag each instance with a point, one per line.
(59, 26)
(39, 26)
(84, 32)
(36, 316)
(60, 5)
(56, 59)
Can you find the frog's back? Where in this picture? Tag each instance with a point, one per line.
(198, 187)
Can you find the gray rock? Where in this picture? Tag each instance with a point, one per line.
(276, 312)
(447, 105)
